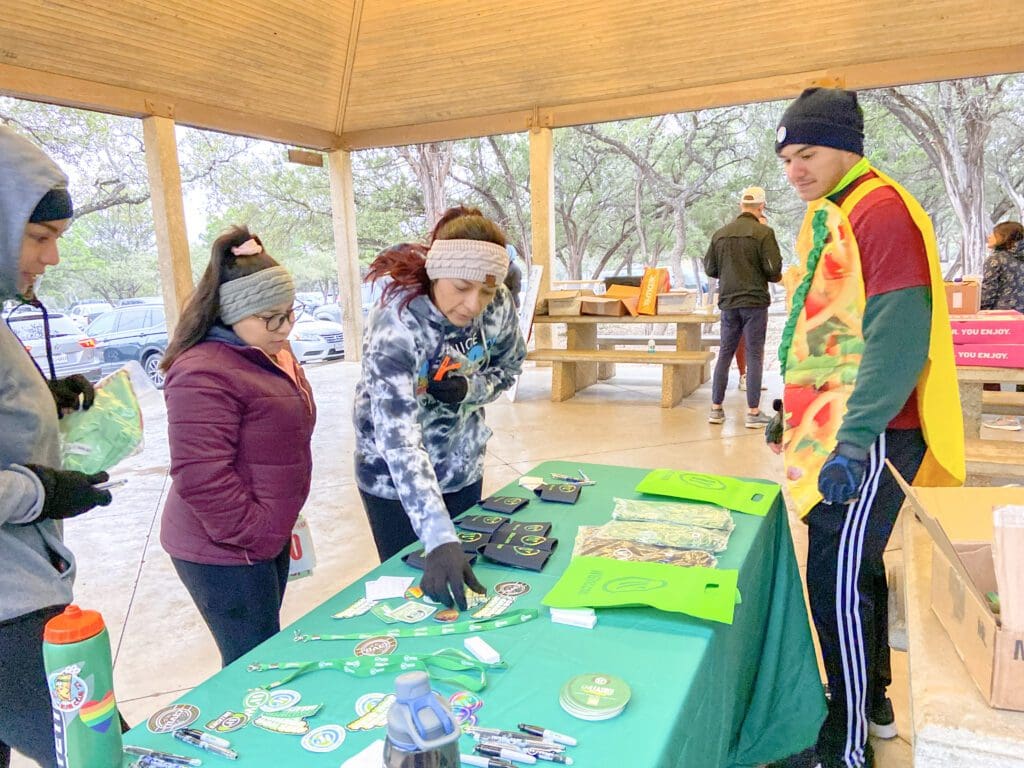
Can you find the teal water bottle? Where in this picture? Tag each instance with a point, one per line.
(86, 725)
(421, 730)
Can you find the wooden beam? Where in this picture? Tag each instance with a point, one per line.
(542, 213)
(444, 130)
(36, 85)
(168, 215)
(346, 248)
(350, 60)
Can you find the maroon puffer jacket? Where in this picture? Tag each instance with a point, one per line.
(239, 430)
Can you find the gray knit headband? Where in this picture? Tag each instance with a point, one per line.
(245, 296)
(467, 260)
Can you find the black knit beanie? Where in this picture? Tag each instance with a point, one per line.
(823, 117)
(54, 206)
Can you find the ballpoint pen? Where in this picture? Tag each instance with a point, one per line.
(131, 749)
(537, 730)
(216, 749)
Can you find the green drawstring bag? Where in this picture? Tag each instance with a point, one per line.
(110, 431)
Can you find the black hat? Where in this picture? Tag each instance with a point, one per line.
(823, 117)
(54, 206)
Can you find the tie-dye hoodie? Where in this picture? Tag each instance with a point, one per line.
(410, 446)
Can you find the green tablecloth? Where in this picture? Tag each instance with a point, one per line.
(704, 694)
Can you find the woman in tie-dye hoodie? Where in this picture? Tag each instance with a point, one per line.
(443, 342)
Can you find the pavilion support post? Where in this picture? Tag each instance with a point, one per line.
(168, 215)
(542, 213)
(346, 248)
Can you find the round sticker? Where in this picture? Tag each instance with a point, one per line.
(67, 690)
(170, 719)
(447, 616)
(368, 701)
(326, 738)
(466, 699)
(382, 645)
(512, 588)
(780, 135)
(255, 698)
(228, 722)
(281, 700)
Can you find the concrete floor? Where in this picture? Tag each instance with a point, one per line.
(161, 647)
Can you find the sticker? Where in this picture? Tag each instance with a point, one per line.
(255, 698)
(290, 726)
(170, 719)
(375, 718)
(473, 599)
(495, 606)
(512, 588)
(414, 593)
(282, 699)
(307, 710)
(447, 616)
(780, 135)
(326, 738)
(98, 715)
(68, 691)
(382, 645)
(358, 608)
(411, 612)
(383, 613)
(228, 722)
(368, 701)
(466, 699)
(464, 716)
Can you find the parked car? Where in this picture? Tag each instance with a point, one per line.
(330, 312)
(84, 312)
(136, 332)
(72, 350)
(139, 300)
(314, 339)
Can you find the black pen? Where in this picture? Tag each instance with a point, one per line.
(544, 733)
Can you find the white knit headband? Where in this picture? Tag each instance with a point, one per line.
(478, 260)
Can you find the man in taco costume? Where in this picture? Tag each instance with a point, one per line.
(869, 377)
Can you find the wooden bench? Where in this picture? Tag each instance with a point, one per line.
(680, 372)
(1003, 403)
(994, 458)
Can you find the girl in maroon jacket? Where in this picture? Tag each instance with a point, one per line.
(240, 416)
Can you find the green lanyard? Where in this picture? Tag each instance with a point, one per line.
(512, 618)
(449, 660)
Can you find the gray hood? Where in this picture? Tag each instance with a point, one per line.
(26, 174)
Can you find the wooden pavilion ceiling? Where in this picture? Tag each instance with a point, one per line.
(358, 73)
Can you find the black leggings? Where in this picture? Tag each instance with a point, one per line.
(241, 604)
(392, 531)
(26, 720)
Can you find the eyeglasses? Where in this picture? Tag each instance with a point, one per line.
(275, 322)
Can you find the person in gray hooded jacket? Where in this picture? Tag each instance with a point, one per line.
(36, 569)
(442, 343)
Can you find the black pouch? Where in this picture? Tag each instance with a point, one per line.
(418, 559)
(532, 528)
(528, 558)
(473, 540)
(507, 535)
(481, 523)
(563, 493)
(504, 504)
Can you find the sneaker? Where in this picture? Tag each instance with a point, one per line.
(758, 420)
(716, 416)
(1010, 423)
(881, 721)
(743, 382)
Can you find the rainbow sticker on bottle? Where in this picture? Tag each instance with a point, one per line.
(98, 715)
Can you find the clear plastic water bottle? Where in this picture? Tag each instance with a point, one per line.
(421, 730)
(86, 724)
(651, 346)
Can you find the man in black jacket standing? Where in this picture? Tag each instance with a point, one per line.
(745, 257)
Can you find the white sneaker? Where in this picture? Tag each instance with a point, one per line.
(743, 382)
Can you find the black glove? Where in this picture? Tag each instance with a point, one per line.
(451, 389)
(66, 393)
(447, 573)
(842, 474)
(68, 493)
(773, 432)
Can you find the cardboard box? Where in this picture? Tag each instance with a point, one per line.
(602, 305)
(991, 355)
(963, 298)
(677, 302)
(630, 296)
(560, 303)
(996, 326)
(962, 572)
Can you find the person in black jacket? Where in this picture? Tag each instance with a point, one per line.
(745, 257)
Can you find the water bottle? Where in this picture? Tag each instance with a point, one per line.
(86, 724)
(651, 346)
(421, 730)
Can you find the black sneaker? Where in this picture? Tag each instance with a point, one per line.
(881, 721)
(806, 759)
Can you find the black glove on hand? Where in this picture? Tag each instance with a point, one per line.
(447, 573)
(842, 474)
(451, 389)
(66, 393)
(773, 432)
(68, 493)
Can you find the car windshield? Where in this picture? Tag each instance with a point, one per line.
(30, 327)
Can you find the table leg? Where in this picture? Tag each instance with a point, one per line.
(563, 381)
(970, 402)
(605, 370)
(582, 337)
(688, 340)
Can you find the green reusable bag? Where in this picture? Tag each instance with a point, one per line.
(111, 430)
